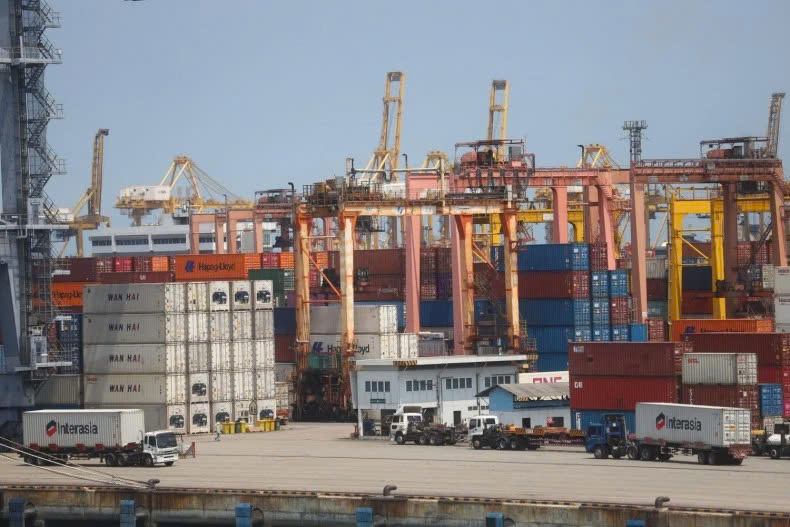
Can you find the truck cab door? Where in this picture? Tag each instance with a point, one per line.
(150, 444)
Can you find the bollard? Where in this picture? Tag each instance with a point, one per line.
(364, 517)
(635, 523)
(16, 512)
(495, 519)
(243, 515)
(128, 513)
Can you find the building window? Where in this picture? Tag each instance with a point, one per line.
(468, 382)
(430, 385)
(423, 386)
(455, 384)
(449, 384)
(488, 382)
(131, 241)
(408, 386)
(386, 386)
(367, 386)
(557, 421)
(101, 243)
(381, 386)
(206, 239)
(170, 241)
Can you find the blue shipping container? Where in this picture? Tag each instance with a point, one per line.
(600, 311)
(553, 362)
(582, 419)
(638, 333)
(553, 257)
(601, 333)
(554, 339)
(555, 312)
(771, 400)
(618, 283)
(69, 331)
(599, 284)
(436, 313)
(620, 332)
(284, 321)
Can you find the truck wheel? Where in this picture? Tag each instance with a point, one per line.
(774, 453)
(702, 457)
(600, 452)
(169, 463)
(515, 444)
(476, 443)
(664, 457)
(148, 461)
(617, 454)
(646, 453)
(738, 461)
(122, 460)
(399, 439)
(423, 439)
(433, 440)
(503, 443)
(713, 458)
(110, 460)
(632, 453)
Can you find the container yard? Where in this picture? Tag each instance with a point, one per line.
(603, 313)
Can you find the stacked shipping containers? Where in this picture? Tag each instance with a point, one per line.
(781, 287)
(261, 309)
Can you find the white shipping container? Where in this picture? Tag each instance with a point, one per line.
(284, 371)
(282, 394)
(263, 294)
(265, 404)
(367, 346)
(265, 384)
(378, 320)
(115, 359)
(197, 327)
(219, 296)
(684, 423)
(133, 298)
(198, 354)
(243, 356)
(133, 328)
(178, 418)
(69, 428)
(221, 356)
(157, 416)
(263, 351)
(767, 273)
(782, 328)
(241, 325)
(431, 347)
(197, 297)
(131, 389)
(408, 347)
(719, 368)
(199, 417)
(782, 309)
(221, 386)
(243, 385)
(263, 325)
(221, 412)
(219, 326)
(198, 386)
(782, 280)
(241, 295)
(241, 411)
(656, 268)
(60, 391)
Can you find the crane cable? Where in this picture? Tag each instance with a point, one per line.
(112, 481)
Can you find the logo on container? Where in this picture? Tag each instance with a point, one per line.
(318, 347)
(190, 266)
(693, 360)
(661, 421)
(51, 428)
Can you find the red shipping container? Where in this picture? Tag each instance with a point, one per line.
(283, 350)
(154, 277)
(380, 261)
(82, 270)
(703, 247)
(116, 278)
(619, 313)
(771, 348)
(656, 289)
(770, 374)
(122, 264)
(553, 284)
(636, 359)
(697, 303)
(142, 264)
(443, 259)
(598, 257)
(732, 395)
(620, 393)
(657, 329)
(270, 260)
(315, 277)
(104, 265)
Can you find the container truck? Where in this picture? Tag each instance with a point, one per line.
(487, 431)
(716, 435)
(115, 436)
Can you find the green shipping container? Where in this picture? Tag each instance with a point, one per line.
(277, 276)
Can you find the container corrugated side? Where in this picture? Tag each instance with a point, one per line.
(243, 355)
(118, 359)
(156, 416)
(68, 428)
(134, 328)
(263, 325)
(731, 395)
(656, 268)
(196, 296)
(555, 312)
(729, 325)
(198, 387)
(706, 425)
(771, 348)
(367, 319)
(263, 352)
(633, 359)
(367, 346)
(592, 393)
(197, 327)
(782, 309)
(219, 296)
(554, 257)
(719, 368)
(60, 391)
(243, 385)
(221, 386)
(198, 353)
(131, 389)
(241, 325)
(219, 326)
(134, 298)
(220, 356)
(782, 280)
(407, 345)
(264, 383)
(241, 295)
(554, 284)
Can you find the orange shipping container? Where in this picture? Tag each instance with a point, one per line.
(252, 261)
(189, 267)
(159, 263)
(67, 294)
(727, 325)
(286, 260)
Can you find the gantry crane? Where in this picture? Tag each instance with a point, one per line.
(91, 198)
(203, 193)
(774, 121)
(497, 108)
(385, 157)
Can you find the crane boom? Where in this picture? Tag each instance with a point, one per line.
(495, 109)
(97, 172)
(385, 157)
(774, 121)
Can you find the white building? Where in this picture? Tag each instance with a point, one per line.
(446, 386)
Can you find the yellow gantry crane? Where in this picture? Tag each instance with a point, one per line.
(91, 197)
(385, 157)
(497, 110)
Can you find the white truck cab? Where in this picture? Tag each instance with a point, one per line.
(161, 446)
(401, 421)
(479, 423)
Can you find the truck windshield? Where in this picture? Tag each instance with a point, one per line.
(414, 418)
(166, 441)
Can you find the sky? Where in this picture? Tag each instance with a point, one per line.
(263, 93)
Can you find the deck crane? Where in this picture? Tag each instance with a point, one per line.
(91, 197)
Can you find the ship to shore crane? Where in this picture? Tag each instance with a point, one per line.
(91, 197)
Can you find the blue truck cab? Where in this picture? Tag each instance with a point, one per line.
(607, 438)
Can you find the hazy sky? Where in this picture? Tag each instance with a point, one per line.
(262, 93)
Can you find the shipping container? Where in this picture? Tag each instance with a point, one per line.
(697, 278)
(219, 326)
(198, 386)
(771, 348)
(243, 385)
(199, 417)
(283, 348)
(620, 393)
(89, 428)
(197, 327)
(264, 405)
(620, 333)
(366, 346)
(782, 309)
(657, 309)
(657, 289)
(142, 264)
(552, 284)
(116, 359)
(122, 264)
(159, 264)
(264, 384)
(198, 357)
(221, 412)
(367, 319)
(241, 295)
(680, 424)
(219, 296)
(618, 283)
(552, 362)
(243, 355)
(134, 328)
(599, 284)
(599, 257)
(583, 419)
(400, 310)
(241, 325)
(771, 399)
(131, 389)
(771, 374)
(221, 356)
(734, 396)
(600, 311)
(732, 325)
(553, 257)
(719, 368)
(263, 353)
(221, 386)
(156, 416)
(244, 410)
(286, 260)
(639, 333)
(262, 294)
(68, 294)
(60, 391)
(284, 321)
(436, 313)
(263, 325)
(625, 359)
(767, 274)
(657, 268)
(601, 333)
(270, 260)
(191, 267)
(83, 270)
(197, 297)
(407, 345)
(431, 347)
(619, 312)
(554, 312)
(555, 339)
(134, 298)
(657, 329)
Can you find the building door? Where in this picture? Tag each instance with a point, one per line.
(526, 422)
(457, 417)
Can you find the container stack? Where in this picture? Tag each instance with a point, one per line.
(134, 352)
(781, 287)
(722, 379)
(261, 310)
(69, 335)
(657, 288)
(611, 377)
(771, 404)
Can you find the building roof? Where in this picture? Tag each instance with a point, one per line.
(532, 391)
(441, 361)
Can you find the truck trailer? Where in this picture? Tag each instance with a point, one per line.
(716, 435)
(115, 436)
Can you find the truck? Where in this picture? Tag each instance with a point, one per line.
(116, 437)
(487, 431)
(408, 425)
(716, 435)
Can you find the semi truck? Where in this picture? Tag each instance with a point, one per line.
(716, 435)
(409, 426)
(487, 431)
(116, 437)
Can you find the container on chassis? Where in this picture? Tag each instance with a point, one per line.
(133, 298)
(717, 435)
